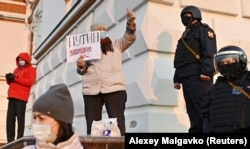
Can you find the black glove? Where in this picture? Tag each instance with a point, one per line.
(9, 76)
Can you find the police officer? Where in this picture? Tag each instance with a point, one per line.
(228, 104)
(193, 63)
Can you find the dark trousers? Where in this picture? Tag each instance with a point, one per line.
(16, 110)
(115, 104)
(195, 95)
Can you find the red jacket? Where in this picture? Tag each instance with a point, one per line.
(24, 79)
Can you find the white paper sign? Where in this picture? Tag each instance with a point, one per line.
(87, 44)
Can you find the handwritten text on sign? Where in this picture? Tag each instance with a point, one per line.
(87, 44)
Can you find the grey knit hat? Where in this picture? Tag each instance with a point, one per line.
(94, 27)
(56, 103)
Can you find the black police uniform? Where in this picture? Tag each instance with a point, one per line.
(202, 39)
(227, 109)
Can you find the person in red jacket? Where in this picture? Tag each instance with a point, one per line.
(20, 83)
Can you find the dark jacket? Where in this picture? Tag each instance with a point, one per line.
(202, 39)
(227, 109)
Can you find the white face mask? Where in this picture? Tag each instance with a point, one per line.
(22, 63)
(103, 34)
(42, 132)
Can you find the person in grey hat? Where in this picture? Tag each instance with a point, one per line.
(103, 79)
(53, 117)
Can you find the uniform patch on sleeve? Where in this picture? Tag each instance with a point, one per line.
(210, 34)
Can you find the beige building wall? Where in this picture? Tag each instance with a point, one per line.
(13, 39)
(153, 105)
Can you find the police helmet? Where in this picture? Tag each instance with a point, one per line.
(195, 11)
(223, 57)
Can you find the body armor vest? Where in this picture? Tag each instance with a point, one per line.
(230, 108)
(183, 56)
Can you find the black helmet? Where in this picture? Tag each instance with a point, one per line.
(195, 11)
(235, 53)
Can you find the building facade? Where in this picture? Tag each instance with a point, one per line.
(13, 40)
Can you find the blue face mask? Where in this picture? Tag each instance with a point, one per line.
(103, 34)
(22, 63)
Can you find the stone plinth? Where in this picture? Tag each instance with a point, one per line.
(103, 142)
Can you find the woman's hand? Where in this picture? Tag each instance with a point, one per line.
(80, 62)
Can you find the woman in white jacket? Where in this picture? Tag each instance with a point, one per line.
(53, 117)
(103, 79)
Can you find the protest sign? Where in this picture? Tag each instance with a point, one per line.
(87, 44)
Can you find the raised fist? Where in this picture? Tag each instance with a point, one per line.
(130, 16)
